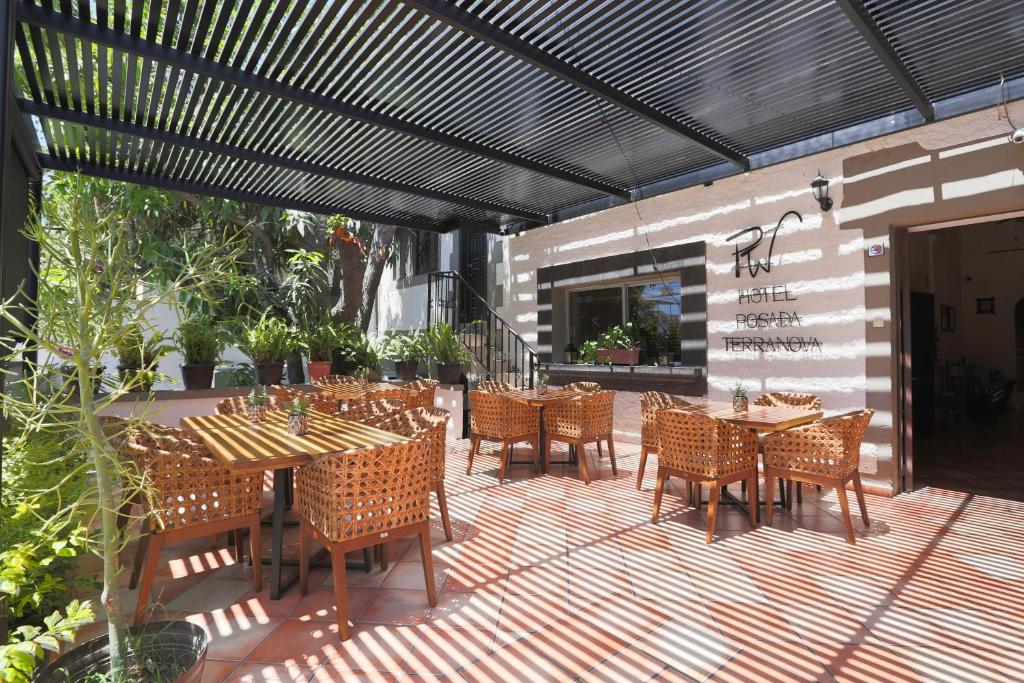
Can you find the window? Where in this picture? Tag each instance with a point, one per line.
(417, 252)
(652, 306)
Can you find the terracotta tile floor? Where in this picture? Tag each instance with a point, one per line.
(548, 579)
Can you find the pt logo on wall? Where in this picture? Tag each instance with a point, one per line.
(754, 327)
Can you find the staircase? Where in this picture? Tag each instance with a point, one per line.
(497, 351)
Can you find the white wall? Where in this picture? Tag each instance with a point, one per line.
(405, 307)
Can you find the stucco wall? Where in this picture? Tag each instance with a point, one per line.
(842, 296)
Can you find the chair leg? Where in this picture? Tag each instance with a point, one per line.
(547, 453)
(858, 488)
(239, 545)
(789, 494)
(535, 445)
(367, 559)
(140, 553)
(611, 455)
(599, 453)
(442, 505)
(752, 501)
(769, 498)
(340, 591)
(640, 469)
(383, 556)
(504, 462)
(256, 553)
(474, 446)
(659, 490)
(782, 493)
(799, 493)
(713, 510)
(581, 456)
(428, 565)
(148, 574)
(844, 506)
(697, 493)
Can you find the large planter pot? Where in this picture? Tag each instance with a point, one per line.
(449, 374)
(342, 366)
(619, 356)
(269, 373)
(199, 376)
(317, 369)
(406, 369)
(177, 647)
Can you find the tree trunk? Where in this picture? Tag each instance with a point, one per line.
(378, 258)
(346, 308)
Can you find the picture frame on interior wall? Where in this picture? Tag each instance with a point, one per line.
(986, 306)
(947, 318)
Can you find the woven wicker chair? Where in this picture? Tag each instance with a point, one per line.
(826, 453)
(432, 424)
(496, 418)
(421, 393)
(494, 386)
(650, 403)
(583, 386)
(361, 410)
(189, 494)
(789, 399)
(321, 402)
(583, 420)
(337, 379)
(705, 450)
(359, 498)
(239, 404)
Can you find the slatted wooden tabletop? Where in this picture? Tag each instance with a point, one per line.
(532, 397)
(758, 418)
(348, 391)
(267, 445)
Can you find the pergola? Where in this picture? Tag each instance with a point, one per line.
(490, 116)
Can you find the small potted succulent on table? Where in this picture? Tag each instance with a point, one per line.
(542, 383)
(740, 403)
(256, 404)
(298, 416)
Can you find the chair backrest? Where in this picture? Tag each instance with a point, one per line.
(396, 393)
(321, 402)
(583, 386)
(650, 403)
(366, 491)
(702, 445)
(240, 404)
(431, 423)
(499, 417)
(361, 410)
(589, 415)
(853, 426)
(421, 393)
(494, 386)
(789, 399)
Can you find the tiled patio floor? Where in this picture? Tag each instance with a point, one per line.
(548, 579)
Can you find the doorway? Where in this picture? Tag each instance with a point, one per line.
(966, 363)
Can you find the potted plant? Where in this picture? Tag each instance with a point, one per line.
(447, 352)
(363, 355)
(542, 383)
(256, 403)
(321, 341)
(362, 376)
(200, 343)
(618, 346)
(267, 342)
(740, 403)
(138, 358)
(298, 416)
(407, 350)
(92, 292)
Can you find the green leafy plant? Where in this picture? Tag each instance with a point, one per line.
(618, 337)
(361, 352)
(199, 340)
(739, 391)
(28, 645)
(587, 353)
(268, 340)
(445, 345)
(322, 339)
(298, 407)
(543, 379)
(406, 346)
(258, 396)
(129, 350)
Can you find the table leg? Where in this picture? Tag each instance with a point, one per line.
(277, 538)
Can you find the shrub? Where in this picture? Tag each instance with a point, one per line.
(199, 340)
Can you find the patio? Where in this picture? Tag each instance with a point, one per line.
(548, 579)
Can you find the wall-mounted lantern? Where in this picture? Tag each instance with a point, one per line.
(819, 186)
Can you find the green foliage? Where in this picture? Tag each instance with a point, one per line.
(28, 645)
(618, 337)
(322, 339)
(739, 391)
(587, 353)
(445, 345)
(360, 351)
(258, 396)
(306, 288)
(543, 379)
(199, 340)
(268, 340)
(298, 407)
(406, 346)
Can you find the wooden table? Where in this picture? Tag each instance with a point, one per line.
(760, 419)
(536, 399)
(240, 445)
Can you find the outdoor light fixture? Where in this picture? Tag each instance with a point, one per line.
(819, 186)
(570, 352)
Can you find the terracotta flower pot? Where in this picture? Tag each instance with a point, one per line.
(316, 369)
(619, 356)
(198, 376)
(406, 369)
(269, 373)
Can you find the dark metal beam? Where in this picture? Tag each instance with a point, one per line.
(472, 25)
(46, 18)
(198, 144)
(176, 185)
(876, 40)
